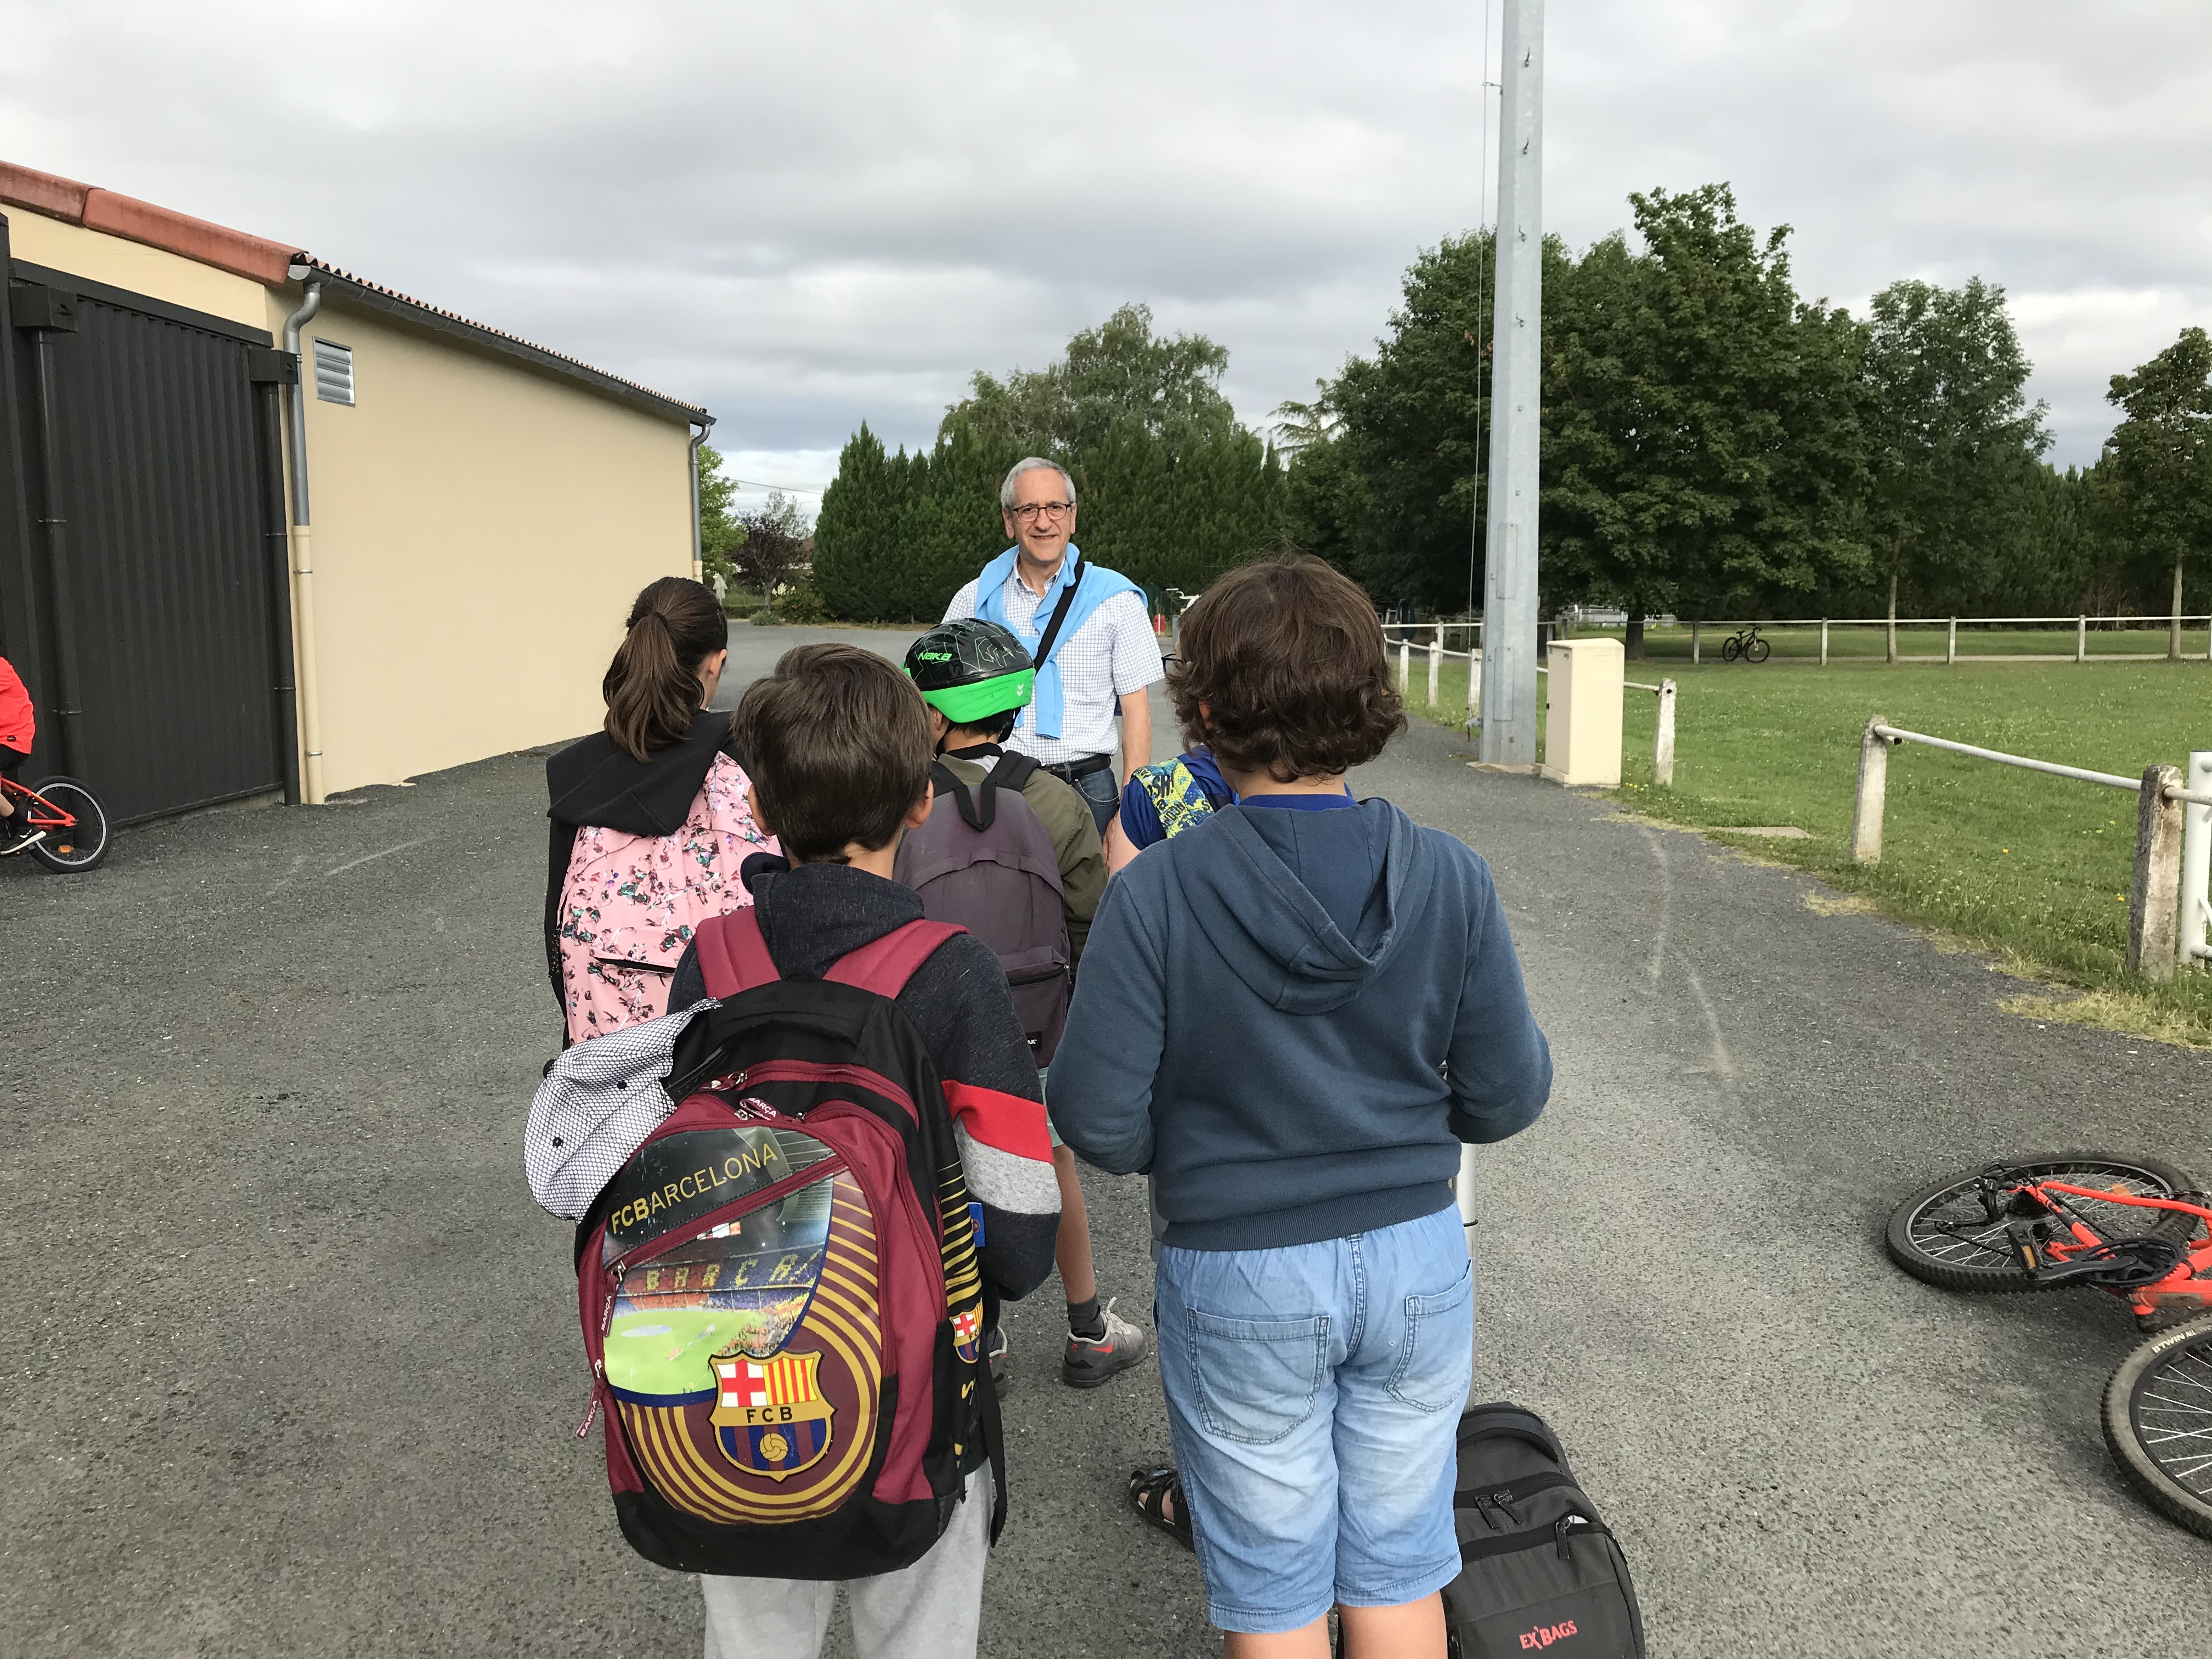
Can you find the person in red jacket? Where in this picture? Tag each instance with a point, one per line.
(17, 726)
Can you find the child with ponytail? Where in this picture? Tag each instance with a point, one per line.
(650, 818)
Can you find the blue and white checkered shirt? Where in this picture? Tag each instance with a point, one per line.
(1113, 652)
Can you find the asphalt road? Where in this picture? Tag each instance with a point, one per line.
(296, 1372)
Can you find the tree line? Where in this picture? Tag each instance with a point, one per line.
(1714, 444)
(1170, 488)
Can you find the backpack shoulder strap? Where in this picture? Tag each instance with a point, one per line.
(976, 815)
(1013, 771)
(885, 964)
(1010, 772)
(732, 954)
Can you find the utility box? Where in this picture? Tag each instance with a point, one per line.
(1582, 734)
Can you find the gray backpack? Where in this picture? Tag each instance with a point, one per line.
(984, 862)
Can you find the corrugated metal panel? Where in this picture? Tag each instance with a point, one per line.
(160, 473)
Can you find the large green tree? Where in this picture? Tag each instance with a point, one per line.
(1701, 443)
(1117, 372)
(720, 534)
(1709, 452)
(1949, 422)
(1389, 482)
(2157, 464)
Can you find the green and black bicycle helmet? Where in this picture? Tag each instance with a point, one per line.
(969, 670)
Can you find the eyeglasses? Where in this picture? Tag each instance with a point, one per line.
(1030, 511)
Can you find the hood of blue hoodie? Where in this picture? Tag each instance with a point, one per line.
(1274, 933)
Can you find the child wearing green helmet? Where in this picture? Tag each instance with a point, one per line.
(976, 676)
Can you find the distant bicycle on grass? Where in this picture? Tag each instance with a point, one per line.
(2132, 1227)
(1746, 643)
(66, 824)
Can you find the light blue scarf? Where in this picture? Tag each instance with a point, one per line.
(1094, 587)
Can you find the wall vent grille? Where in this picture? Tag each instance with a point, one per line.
(333, 372)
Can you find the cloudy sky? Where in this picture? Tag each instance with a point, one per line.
(807, 214)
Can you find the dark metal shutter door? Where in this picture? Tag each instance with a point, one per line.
(155, 439)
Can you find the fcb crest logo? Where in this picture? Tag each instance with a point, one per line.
(967, 1333)
(770, 1415)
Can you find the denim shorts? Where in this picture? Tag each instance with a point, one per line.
(1313, 1396)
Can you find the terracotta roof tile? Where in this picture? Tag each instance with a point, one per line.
(225, 249)
(42, 192)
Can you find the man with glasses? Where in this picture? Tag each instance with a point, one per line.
(1085, 628)
(1086, 631)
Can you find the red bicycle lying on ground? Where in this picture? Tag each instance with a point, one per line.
(72, 822)
(2131, 1226)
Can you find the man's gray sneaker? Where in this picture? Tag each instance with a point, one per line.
(1088, 1364)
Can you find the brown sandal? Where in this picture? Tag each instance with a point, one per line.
(1149, 1491)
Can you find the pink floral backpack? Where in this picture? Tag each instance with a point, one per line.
(631, 903)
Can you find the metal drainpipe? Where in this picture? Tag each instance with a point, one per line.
(70, 708)
(698, 547)
(303, 562)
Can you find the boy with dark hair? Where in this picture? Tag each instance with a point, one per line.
(976, 676)
(839, 749)
(1295, 1011)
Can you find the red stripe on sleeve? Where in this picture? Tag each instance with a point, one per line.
(1005, 1121)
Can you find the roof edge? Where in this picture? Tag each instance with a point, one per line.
(344, 286)
(261, 260)
(42, 192)
(234, 251)
(255, 258)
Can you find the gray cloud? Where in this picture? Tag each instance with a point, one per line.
(808, 216)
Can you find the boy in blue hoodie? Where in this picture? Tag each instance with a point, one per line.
(1291, 1016)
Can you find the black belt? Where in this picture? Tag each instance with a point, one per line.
(1068, 771)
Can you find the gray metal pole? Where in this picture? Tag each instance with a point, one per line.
(1509, 577)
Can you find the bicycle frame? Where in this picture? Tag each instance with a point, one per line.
(44, 814)
(2188, 1285)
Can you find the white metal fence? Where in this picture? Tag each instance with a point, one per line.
(2082, 625)
(2167, 904)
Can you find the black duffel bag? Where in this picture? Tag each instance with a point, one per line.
(1539, 1571)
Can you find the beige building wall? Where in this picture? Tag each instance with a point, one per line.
(153, 271)
(480, 529)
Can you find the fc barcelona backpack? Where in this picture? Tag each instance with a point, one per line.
(779, 1288)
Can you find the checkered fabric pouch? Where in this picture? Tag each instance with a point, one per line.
(599, 1101)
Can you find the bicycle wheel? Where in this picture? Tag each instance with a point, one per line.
(83, 844)
(2158, 1422)
(1731, 649)
(1758, 651)
(1942, 1234)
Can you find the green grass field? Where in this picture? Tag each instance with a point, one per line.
(667, 1350)
(2031, 866)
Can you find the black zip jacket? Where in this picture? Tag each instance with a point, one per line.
(591, 781)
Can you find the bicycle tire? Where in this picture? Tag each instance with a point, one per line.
(81, 851)
(1731, 649)
(2162, 1394)
(1758, 651)
(1964, 1265)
